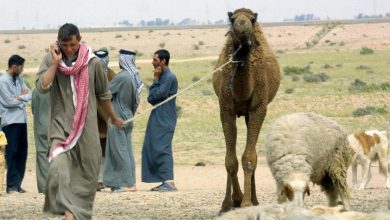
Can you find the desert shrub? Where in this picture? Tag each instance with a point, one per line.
(339, 65)
(104, 49)
(332, 44)
(21, 47)
(112, 48)
(195, 78)
(196, 47)
(295, 78)
(369, 110)
(360, 86)
(327, 66)
(321, 77)
(294, 70)
(136, 36)
(150, 31)
(363, 67)
(280, 51)
(179, 111)
(207, 92)
(166, 34)
(162, 44)
(47, 50)
(210, 80)
(7, 41)
(342, 43)
(327, 41)
(366, 51)
(289, 91)
(201, 42)
(118, 36)
(370, 71)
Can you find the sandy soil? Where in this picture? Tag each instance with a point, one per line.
(201, 191)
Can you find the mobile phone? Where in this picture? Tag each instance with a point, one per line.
(58, 49)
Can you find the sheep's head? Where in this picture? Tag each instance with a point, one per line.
(294, 188)
(243, 24)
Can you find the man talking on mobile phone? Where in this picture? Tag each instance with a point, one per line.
(157, 158)
(76, 81)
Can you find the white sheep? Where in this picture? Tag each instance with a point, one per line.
(288, 211)
(304, 147)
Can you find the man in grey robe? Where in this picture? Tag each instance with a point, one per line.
(74, 167)
(40, 111)
(157, 158)
(119, 170)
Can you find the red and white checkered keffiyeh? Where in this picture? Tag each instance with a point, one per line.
(80, 84)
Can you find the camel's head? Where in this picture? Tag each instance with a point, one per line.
(243, 24)
(294, 188)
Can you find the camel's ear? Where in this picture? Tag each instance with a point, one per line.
(230, 14)
(254, 19)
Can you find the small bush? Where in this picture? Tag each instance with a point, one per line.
(195, 78)
(363, 67)
(369, 110)
(112, 48)
(6, 41)
(366, 51)
(209, 80)
(136, 36)
(118, 36)
(207, 92)
(201, 42)
(179, 111)
(327, 41)
(295, 78)
(321, 77)
(196, 47)
(339, 65)
(150, 31)
(280, 51)
(327, 66)
(289, 91)
(162, 44)
(342, 43)
(294, 70)
(21, 47)
(166, 34)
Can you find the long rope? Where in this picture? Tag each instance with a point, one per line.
(182, 91)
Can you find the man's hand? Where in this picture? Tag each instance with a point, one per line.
(118, 122)
(157, 72)
(25, 91)
(55, 53)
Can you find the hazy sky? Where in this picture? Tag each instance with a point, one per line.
(39, 14)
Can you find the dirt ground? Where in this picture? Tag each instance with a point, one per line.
(199, 196)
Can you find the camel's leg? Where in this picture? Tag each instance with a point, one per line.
(249, 158)
(231, 163)
(253, 190)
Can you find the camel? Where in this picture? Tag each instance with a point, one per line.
(244, 88)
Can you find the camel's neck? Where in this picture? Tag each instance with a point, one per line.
(242, 81)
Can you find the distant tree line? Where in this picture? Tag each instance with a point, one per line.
(167, 22)
(364, 16)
